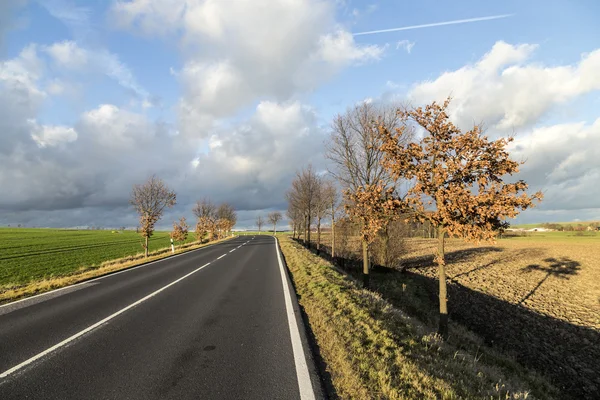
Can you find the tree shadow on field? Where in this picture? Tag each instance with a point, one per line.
(567, 354)
(562, 268)
(452, 257)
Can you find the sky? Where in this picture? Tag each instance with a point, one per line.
(227, 99)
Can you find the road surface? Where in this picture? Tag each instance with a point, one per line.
(220, 322)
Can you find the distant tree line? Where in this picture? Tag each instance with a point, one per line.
(150, 200)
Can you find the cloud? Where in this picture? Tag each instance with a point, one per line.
(49, 135)
(233, 59)
(406, 45)
(505, 91)
(564, 161)
(21, 97)
(81, 174)
(340, 49)
(70, 56)
(75, 18)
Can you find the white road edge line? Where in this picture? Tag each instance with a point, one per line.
(105, 276)
(91, 327)
(304, 383)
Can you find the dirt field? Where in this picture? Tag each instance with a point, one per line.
(534, 298)
(555, 276)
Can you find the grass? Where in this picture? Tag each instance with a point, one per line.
(29, 255)
(539, 225)
(375, 351)
(33, 261)
(536, 298)
(545, 236)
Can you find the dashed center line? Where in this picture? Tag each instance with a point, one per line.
(96, 325)
(218, 258)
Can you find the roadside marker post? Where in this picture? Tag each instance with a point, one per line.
(172, 247)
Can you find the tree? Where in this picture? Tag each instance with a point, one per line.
(459, 187)
(226, 218)
(321, 208)
(150, 200)
(354, 149)
(331, 199)
(274, 218)
(180, 230)
(303, 198)
(205, 212)
(259, 222)
(373, 207)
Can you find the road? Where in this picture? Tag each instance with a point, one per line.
(220, 322)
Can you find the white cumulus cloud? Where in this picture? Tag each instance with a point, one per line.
(505, 91)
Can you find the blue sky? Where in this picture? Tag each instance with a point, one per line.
(228, 100)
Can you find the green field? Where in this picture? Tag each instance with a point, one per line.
(565, 224)
(28, 255)
(545, 236)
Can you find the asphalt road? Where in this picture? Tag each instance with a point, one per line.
(220, 322)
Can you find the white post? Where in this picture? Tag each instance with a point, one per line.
(172, 246)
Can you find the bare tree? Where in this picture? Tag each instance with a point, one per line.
(294, 214)
(354, 149)
(274, 218)
(259, 222)
(303, 197)
(459, 176)
(150, 200)
(321, 208)
(331, 199)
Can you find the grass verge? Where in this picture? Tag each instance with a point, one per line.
(16, 292)
(375, 351)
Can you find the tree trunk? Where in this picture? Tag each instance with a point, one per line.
(386, 243)
(308, 231)
(333, 238)
(304, 230)
(274, 230)
(146, 247)
(443, 323)
(318, 236)
(366, 263)
(294, 233)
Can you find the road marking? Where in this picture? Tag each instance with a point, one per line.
(91, 327)
(304, 383)
(232, 250)
(106, 276)
(218, 258)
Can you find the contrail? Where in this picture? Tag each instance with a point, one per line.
(458, 21)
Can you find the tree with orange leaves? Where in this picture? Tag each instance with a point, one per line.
(458, 182)
(180, 230)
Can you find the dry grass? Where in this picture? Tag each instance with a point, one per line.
(15, 292)
(535, 298)
(375, 351)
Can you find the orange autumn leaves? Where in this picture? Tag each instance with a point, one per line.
(456, 179)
